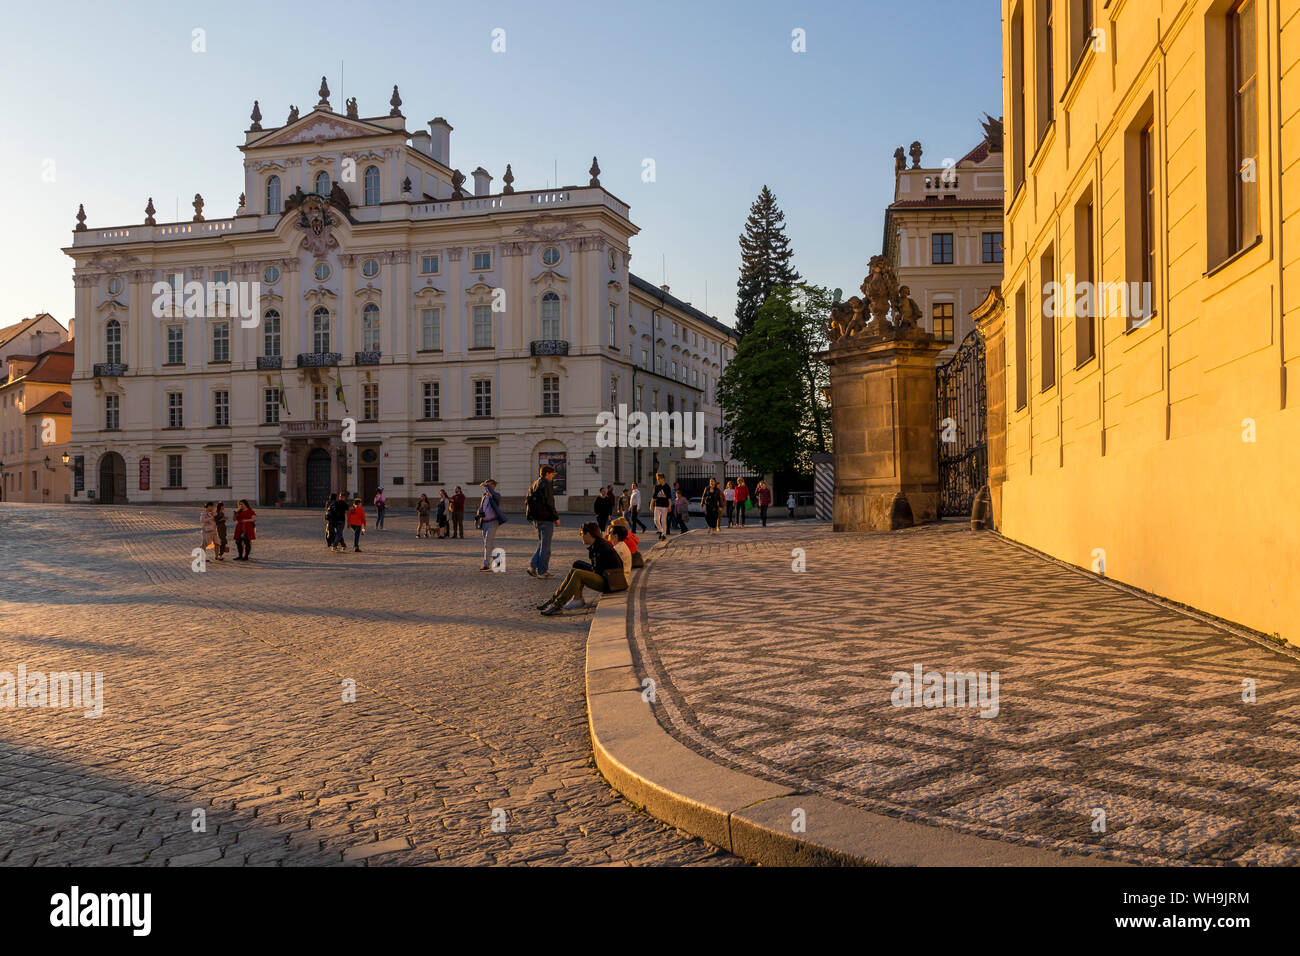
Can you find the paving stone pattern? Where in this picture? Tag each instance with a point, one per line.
(223, 693)
(1108, 700)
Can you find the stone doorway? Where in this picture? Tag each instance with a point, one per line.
(318, 478)
(112, 479)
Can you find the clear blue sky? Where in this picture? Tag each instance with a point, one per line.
(712, 91)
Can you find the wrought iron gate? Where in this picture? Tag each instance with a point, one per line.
(963, 441)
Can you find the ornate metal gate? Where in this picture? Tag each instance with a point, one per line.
(963, 442)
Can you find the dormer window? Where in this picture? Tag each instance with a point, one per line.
(273, 195)
(322, 183)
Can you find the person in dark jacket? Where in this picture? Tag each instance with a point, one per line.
(219, 516)
(711, 501)
(662, 499)
(338, 516)
(539, 508)
(604, 508)
(584, 574)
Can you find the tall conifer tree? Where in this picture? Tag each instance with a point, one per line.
(765, 256)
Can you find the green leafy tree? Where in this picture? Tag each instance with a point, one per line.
(765, 256)
(812, 305)
(762, 392)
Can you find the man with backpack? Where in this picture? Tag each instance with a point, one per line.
(337, 515)
(539, 508)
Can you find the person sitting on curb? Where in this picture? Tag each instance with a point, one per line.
(605, 572)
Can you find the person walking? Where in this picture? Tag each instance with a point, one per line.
(604, 508)
(682, 510)
(338, 516)
(444, 514)
(245, 521)
(661, 499)
(539, 508)
(601, 572)
(634, 509)
(219, 518)
(329, 521)
(729, 496)
(381, 505)
(789, 505)
(357, 522)
(623, 505)
(422, 517)
(208, 525)
(711, 503)
(742, 500)
(763, 495)
(458, 513)
(490, 519)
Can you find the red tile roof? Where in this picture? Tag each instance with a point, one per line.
(53, 366)
(60, 403)
(976, 155)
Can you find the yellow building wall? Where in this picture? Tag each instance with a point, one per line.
(1139, 452)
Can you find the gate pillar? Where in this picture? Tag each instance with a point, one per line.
(884, 407)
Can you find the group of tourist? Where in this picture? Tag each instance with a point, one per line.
(213, 521)
(449, 515)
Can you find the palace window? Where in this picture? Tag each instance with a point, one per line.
(613, 326)
(221, 408)
(175, 345)
(1047, 344)
(372, 185)
(1243, 219)
(1045, 108)
(112, 412)
(320, 403)
(370, 402)
(482, 398)
(320, 330)
(175, 476)
(175, 410)
(1085, 309)
(322, 271)
(271, 275)
(1022, 351)
(221, 470)
(432, 400)
(370, 268)
(1017, 139)
(271, 333)
(941, 249)
(482, 463)
(550, 256)
(992, 247)
(550, 394)
(482, 261)
(550, 316)
(429, 265)
(271, 406)
(429, 466)
(273, 195)
(430, 330)
(221, 342)
(322, 183)
(482, 327)
(370, 328)
(113, 342)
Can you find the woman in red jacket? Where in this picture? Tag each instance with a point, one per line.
(245, 520)
(742, 495)
(357, 522)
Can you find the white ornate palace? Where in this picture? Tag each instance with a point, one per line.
(465, 335)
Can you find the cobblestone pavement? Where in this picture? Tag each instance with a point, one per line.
(223, 694)
(1108, 701)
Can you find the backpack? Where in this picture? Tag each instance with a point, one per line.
(535, 502)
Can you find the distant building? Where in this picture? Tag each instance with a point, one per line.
(464, 333)
(30, 337)
(943, 232)
(35, 425)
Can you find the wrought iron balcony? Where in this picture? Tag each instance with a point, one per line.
(314, 359)
(548, 347)
(370, 357)
(270, 361)
(107, 369)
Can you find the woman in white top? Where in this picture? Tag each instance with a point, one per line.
(617, 536)
(729, 495)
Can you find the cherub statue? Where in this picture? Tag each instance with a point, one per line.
(352, 107)
(907, 314)
(881, 289)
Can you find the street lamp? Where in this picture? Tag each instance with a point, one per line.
(66, 458)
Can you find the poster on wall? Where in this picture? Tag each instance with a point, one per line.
(144, 473)
(559, 461)
(79, 473)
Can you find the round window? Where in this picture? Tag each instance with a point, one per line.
(271, 458)
(114, 285)
(272, 274)
(322, 271)
(370, 268)
(550, 255)
(369, 456)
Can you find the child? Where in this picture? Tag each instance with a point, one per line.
(208, 525)
(220, 518)
(357, 522)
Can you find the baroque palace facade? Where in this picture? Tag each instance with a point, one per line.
(404, 333)
(1153, 151)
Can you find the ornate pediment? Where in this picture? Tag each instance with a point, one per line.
(320, 128)
(549, 227)
(108, 261)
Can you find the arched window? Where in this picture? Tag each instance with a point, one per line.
(320, 330)
(370, 328)
(113, 342)
(273, 195)
(271, 333)
(372, 185)
(322, 183)
(550, 316)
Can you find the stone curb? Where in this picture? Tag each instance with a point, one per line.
(746, 815)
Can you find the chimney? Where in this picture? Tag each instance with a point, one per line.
(482, 182)
(440, 132)
(423, 142)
